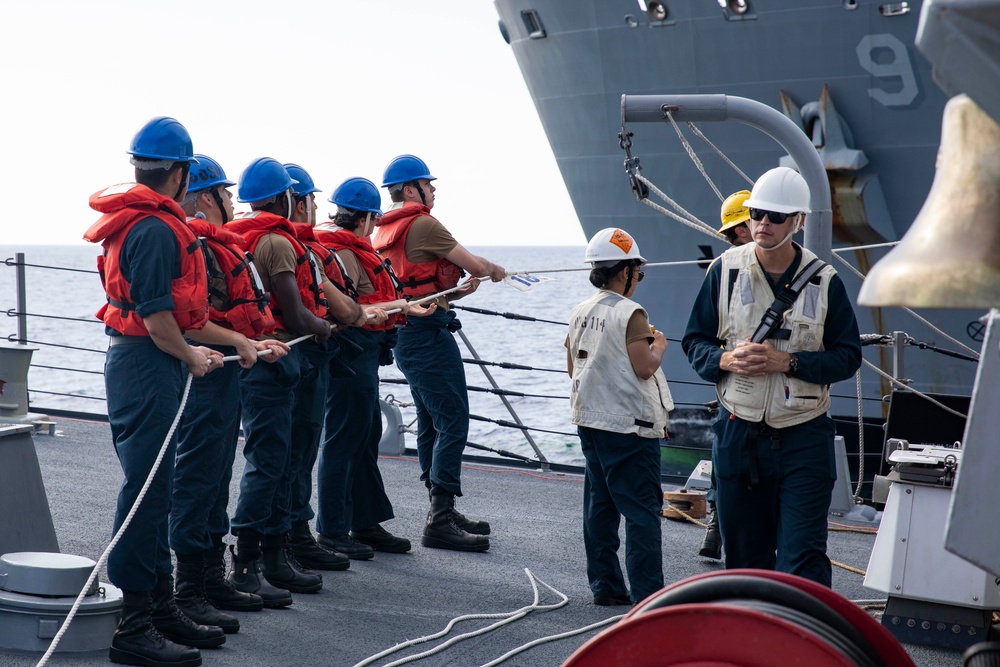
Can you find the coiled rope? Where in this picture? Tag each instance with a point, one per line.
(507, 617)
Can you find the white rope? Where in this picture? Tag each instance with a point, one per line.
(911, 389)
(691, 154)
(508, 617)
(551, 638)
(686, 262)
(933, 328)
(701, 136)
(861, 439)
(686, 217)
(887, 244)
(114, 541)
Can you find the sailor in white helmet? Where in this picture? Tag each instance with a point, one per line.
(620, 400)
(773, 328)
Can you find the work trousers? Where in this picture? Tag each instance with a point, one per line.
(307, 422)
(428, 356)
(144, 387)
(622, 478)
(267, 397)
(777, 521)
(207, 437)
(351, 491)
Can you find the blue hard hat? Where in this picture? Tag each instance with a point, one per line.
(163, 138)
(358, 194)
(405, 168)
(206, 174)
(304, 181)
(262, 179)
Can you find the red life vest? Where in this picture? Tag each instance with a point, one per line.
(123, 206)
(243, 306)
(258, 224)
(327, 259)
(417, 279)
(377, 270)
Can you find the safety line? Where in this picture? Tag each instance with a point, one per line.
(10, 261)
(911, 389)
(911, 312)
(16, 313)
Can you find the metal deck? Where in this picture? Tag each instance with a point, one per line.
(536, 520)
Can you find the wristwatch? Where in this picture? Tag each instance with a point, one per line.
(793, 365)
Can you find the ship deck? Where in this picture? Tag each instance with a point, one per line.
(392, 598)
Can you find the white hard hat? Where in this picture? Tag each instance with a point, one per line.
(611, 245)
(782, 190)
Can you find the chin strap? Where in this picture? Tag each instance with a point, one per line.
(788, 237)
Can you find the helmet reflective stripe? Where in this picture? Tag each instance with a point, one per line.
(780, 189)
(611, 245)
(358, 194)
(263, 178)
(163, 138)
(733, 211)
(304, 185)
(206, 174)
(405, 168)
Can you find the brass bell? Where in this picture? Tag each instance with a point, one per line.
(950, 256)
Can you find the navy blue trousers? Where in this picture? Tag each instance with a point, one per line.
(622, 478)
(351, 491)
(144, 387)
(206, 448)
(428, 356)
(267, 396)
(307, 423)
(780, 522)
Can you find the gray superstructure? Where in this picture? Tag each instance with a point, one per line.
(879, 139)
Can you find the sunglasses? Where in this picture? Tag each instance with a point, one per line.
(773, 217)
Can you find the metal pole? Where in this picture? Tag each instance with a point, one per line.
(898, 348)
(22, 300)
(819, 223)
(510, 408)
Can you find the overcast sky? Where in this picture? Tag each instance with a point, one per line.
(338, 86)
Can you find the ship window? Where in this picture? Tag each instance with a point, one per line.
(533, 24)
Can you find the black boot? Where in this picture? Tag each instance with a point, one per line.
(189, 594)
(441, 531)
(281, 569)
(175, 625)
(468, 525)
(311, 554)
(220, 591)
(380, 539)
(137, 642)
(463, 522)
(247, 576)
(711, 546)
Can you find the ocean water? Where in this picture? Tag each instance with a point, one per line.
(67, 367)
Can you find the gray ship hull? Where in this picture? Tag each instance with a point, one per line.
(579, 58)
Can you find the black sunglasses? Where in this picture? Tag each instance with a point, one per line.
(773, 217)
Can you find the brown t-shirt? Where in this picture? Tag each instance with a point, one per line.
(428, 240)
(274, 254)
(356, 272)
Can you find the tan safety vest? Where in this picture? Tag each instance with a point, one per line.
(776, 399)
(606, 393)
